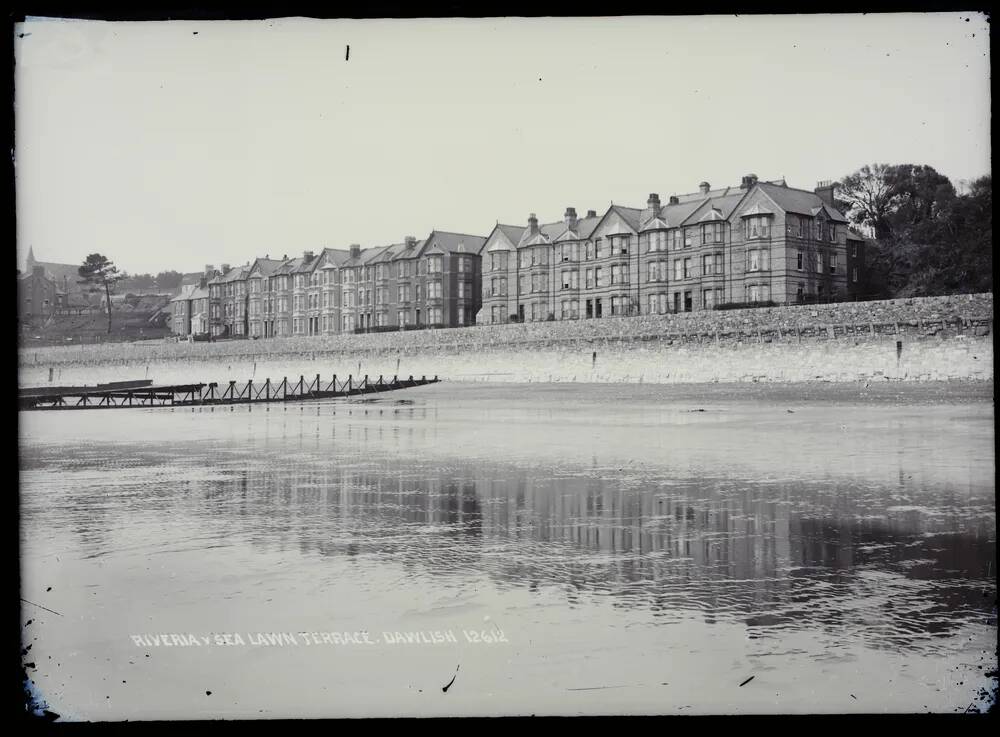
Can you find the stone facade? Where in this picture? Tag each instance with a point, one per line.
(757, 243)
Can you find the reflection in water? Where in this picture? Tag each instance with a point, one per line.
(852, 547)
(819, 553)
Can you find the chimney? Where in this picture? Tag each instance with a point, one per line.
(202, 282)
(675, 200)
(704, 187)
(225, 268)
(355, 250)
(591, 213)
(570, 218)
(410, 241)
(209, 270)
(653, 205)
(748, 181)
(307, 256)
(824, 190)
(532, 224)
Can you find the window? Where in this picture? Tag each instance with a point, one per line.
(463, 264)
(569, 308)
(571, 252)
(571, 279)
(802, 227)
(525, 258)
(619, 274)
(711, 233)
(433, 264)
(833, 263)
(674, 239)
(623, 244)
(678, 270)
(687, 268)
(656, 241)
(598, 277)
(687, 237)
(656, 304)
(854, 274)
(434, 290)
(503, 285)
(522, 285)
(756, 227)
(590, 251)
(602, 247)
(461, 290)
(854, 250)
(535, 283)
(403, 293)
(833, 233)
(434, 316)
(718, 263)
(708, 299)
(800, 292)
(534, 311)
(819, 263)
(798, 261)
(706, 265)
(758, 260)
(590, 278)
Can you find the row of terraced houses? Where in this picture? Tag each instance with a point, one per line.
(760, 242)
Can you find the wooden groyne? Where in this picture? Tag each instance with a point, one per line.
(191, 395)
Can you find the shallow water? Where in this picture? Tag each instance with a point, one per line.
(610, 550)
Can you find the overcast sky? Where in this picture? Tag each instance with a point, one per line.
(171, 145)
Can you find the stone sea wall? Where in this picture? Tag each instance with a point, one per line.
(915, 339)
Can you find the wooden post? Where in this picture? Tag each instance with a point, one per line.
(317, 383)
(267, 388)
(334, 383)
(350, 383)
(250, 389)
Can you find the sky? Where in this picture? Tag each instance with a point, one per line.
(174, 145)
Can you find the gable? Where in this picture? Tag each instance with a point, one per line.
(498, 241)
(612, 224)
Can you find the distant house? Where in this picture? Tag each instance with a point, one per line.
(65, 277)
(37, 296)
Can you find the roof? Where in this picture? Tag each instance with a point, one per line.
(68, 274)
(334, 257)
(237, 273)
(266, 266)
(185, 294)
(456, 242)
(799, 201)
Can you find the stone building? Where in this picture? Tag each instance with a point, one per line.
(757, 243)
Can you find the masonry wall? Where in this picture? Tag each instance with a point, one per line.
(911, 340)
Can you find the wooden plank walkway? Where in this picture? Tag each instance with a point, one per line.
(194, 395)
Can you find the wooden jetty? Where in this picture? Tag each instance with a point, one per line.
(196, 395)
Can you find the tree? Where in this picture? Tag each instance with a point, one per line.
(929, 238)
(169, 280)
(99, 272)
(868, 194)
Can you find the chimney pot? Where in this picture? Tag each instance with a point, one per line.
(591, 213)
(225, 268)
(532, 223)
(307, 255)
(674, 200)
(570, 217)
(705, 187)
(355, 250)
